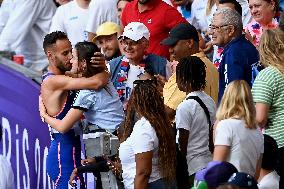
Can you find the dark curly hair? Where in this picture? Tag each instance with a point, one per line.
(191, 74)
(147, 102)
(51, 38)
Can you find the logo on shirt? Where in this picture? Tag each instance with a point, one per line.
(73, 18)
(150, 21)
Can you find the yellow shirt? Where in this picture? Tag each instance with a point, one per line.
(173, 96)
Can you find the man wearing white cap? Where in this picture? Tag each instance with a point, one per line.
(126, 69)
(106, 39)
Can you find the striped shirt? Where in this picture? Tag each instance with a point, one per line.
(268, 88)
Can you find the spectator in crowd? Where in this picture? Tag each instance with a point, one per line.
(183, 42)
(215, 174)
(238, 140)
(23, 25)
(191, 116)
(57, 96)
(147, 152)
(71, 18)
(239, 57)
(157, 16)
(126, 69)
(6, 172)
(120, 7)
(268, 91)
(100, 11)
(268, 177)
(202, 9)
(107, 39)
(233, 4)
(265, 15)
(183, 6)
(243, 181)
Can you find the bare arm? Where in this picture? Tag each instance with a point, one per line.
(262, 114)
(63, 125)
(183, 140)
(221, 153)
(143, 169)
(62, 82)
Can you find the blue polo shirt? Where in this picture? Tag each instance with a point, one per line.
(239, 61)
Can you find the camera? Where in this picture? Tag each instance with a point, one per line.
(100, 143)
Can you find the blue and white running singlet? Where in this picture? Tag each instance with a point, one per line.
(65, 150)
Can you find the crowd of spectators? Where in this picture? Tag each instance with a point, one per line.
(192, 90)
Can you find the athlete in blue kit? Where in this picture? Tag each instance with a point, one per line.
(58, 95)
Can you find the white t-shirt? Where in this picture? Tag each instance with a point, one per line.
(142, 139)
(101, 11)
(23, 25)
(269, 181)
(246, 145)
(6, 174)
(71, 19)
(190, 116)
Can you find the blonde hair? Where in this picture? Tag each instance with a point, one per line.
(271, 49)
(237, 103)
(209, 6)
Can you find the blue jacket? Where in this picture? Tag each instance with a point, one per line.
(240, 60)
(153, 62)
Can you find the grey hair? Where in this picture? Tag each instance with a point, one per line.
(231, 17)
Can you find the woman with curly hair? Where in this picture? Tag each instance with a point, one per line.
(237, 137)
(147, 152)
(268, 91)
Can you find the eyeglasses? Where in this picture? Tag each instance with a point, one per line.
(215, 28)
(129, 42)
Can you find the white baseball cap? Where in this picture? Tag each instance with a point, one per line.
(135, 31)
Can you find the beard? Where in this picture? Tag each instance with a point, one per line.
(63, 67)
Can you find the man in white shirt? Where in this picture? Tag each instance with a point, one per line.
(23, 25)
(268, 177)
(100, 12)
(71, 18)
(194, 115)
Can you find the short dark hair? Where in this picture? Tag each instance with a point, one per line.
(270, 153)
(237, 5)
(191, 72)
(51, 38)
(85, 51)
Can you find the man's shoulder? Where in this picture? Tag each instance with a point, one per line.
(115, 61)
(242, 45)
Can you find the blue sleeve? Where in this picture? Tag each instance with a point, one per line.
(85, 99)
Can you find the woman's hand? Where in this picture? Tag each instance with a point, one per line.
(115, 167)
(73, 176)
(98, 60)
